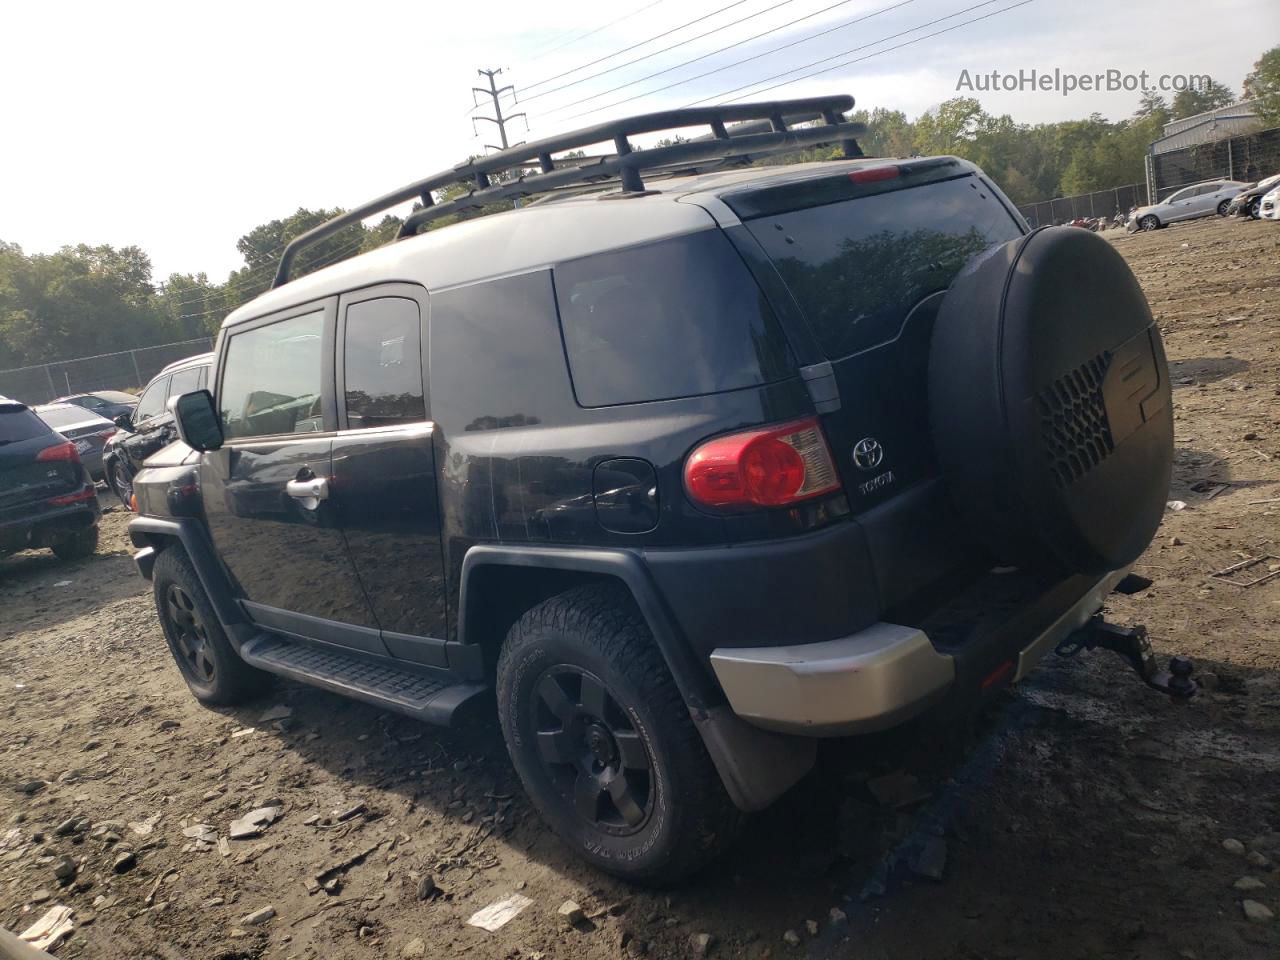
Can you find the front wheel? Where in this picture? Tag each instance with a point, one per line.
(1149, 222)
(1255, 209)
(213, 670)
(603, 742)
(1222, 208)
(121, 484)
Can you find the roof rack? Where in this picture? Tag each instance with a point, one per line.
(773, 131)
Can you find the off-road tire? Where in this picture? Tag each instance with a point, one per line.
(1149, 222)
(598, 631)
(77, 546)
(218, 676)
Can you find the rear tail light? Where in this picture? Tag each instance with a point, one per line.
(63, 451)
(769, 467)
(874, 174)
(107, 434)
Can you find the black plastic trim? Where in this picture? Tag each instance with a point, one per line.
(199, 550)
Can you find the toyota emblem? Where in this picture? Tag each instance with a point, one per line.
(867, 453)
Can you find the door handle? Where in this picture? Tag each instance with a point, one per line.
(310, 492)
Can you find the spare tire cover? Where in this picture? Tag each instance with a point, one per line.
(1049, 403)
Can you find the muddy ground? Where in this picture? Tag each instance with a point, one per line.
(1086, 820)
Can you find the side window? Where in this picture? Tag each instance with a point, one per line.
(382, 363)
(89, 403)
(184, 381)
(152, 400)
(1182, 195)
(271, 382)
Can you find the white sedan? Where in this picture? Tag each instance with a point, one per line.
(1270, 209)
(1201, 200)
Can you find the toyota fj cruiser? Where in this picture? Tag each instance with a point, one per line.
(688, 473)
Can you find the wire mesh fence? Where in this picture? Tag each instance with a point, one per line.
(126, 370)
(1246, 158)
(1099, 203)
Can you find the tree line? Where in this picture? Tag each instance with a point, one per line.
(85, 300)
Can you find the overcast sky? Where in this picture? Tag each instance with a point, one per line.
(180, 126)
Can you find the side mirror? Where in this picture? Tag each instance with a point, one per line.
(197, 420)
(124, 421)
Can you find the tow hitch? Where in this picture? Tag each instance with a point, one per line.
(1133, 644)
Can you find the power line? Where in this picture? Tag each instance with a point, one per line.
(618, 53)
(592, 33)
(719, 96)
(649, 56)
(727, 66)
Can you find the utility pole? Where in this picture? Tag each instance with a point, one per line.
(494, 91)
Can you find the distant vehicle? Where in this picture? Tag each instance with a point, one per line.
(148, 427)
(46, 496)
(1248, 202)
(105, 403)
(1270, 207)
(1200, 200)
(86, 429)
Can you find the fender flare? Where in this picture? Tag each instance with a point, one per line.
(756, 766)
(145, 531)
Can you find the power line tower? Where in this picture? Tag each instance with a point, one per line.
(494, 91)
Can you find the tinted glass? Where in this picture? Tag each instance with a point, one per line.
(18, 425)
(1182, 195)
(184, 381)
(64, 416)
(857, 267)
(152, 400)
(382, 363)
(676, 318)
(271, 383)
(89, 403)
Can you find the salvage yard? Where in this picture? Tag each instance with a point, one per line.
(1088, 818)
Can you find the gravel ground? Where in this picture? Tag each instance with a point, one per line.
(1087, 818)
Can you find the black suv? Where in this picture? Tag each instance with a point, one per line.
(689, 473)
(47, 498)
(148, 426)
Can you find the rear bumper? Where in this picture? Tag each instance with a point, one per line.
(42, 524)
(871, 680)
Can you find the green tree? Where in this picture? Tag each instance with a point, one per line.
(1211, 96)
(1263, 83)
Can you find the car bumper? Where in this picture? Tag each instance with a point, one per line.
(43, 525)
(871, 680)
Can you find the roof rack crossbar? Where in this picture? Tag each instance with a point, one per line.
(773, 131)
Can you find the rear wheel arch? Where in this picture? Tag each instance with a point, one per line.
(499, 584)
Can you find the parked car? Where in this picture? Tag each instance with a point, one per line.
(1269, 208)
(105, 403)
(1199, 200)
(1248, 202)
(47, 498)
(859, 450)
(148, 427)
(88, 431)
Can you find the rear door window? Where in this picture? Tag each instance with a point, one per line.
(382, 363)
(676, 318)
(858, 266)
(184, 381)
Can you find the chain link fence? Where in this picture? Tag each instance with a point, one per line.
(1248, 158)
(1100, 203)
(126, 370)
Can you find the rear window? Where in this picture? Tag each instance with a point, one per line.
(857, 267)
(19, 424)
(676, 318)
(58, 417)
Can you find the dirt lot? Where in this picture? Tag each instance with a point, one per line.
(1087, 819)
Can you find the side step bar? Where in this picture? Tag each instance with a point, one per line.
(432, 696)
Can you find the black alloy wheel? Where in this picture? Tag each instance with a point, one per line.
(191, 635)
(590, 750)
